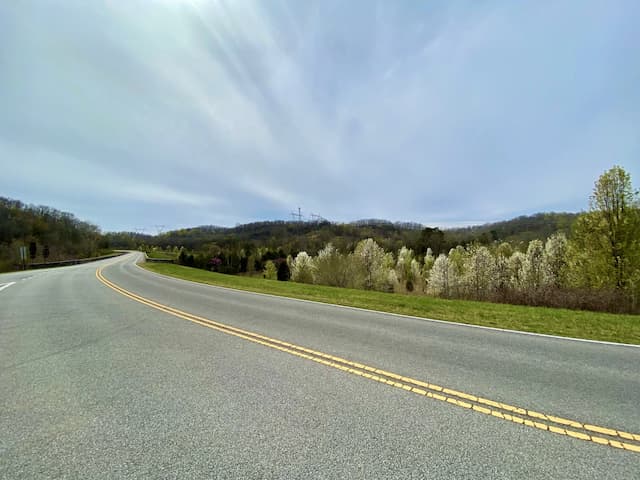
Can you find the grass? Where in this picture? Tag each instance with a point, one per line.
(567, 323)
(161, 255)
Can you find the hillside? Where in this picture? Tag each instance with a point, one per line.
(519, 231)
(54, 235)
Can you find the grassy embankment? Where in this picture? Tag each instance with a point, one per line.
(161, 255)
(567, 323)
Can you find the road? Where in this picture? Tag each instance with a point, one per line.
(126, 377)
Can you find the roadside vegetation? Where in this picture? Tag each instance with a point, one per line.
(591, 263)
(552, 321)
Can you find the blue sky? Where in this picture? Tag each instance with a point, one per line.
(181, 113)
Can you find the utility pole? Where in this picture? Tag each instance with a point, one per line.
(297, 215)
(160, 229)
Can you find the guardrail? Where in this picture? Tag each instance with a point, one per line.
(75, 261)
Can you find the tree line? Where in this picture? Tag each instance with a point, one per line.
(46, 233)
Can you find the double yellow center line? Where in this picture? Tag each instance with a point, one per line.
(561, 426)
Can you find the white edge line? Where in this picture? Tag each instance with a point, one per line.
(380, 312)
(6, 285)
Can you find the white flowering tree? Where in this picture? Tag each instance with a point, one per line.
(429, 260)
(502, 255)
(302, 268)
(554, 260)
(332, 268)
(407, 269)
(373, 265)
(515, 265)
(416, 272)
(533, 268)
(438, 283)
(457, 258)
(479, 274)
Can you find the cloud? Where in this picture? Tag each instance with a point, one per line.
(434, 112)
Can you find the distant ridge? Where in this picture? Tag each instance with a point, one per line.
(293, 236)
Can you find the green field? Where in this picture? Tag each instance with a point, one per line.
(567, 323)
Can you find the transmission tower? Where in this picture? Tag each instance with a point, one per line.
(298, 215)
(316, 218)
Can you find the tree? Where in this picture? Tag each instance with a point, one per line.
(503, 253)
(251, 264)
(533, 268)
(407, 269)
(554, 260)
(432, 238)
(614, 202)
(429, 261)
(480, 272)
(515, 265)
(456, 270)
(331, 267)
(284, 273)
(373, 264)
(439, 276)
(302, 268)
(605, 247)
(270, 272)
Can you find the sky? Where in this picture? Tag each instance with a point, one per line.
(165, 114)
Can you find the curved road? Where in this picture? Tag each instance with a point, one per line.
(126, 377)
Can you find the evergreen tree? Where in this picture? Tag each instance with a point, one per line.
(283, 272)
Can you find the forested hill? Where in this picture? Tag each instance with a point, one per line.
(520, 230)
(287, 236)
(37, 227)
(292, 237)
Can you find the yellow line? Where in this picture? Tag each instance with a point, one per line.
(428, 390)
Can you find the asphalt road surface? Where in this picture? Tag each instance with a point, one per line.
(126, 377)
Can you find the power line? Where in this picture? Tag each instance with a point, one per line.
(317, 218)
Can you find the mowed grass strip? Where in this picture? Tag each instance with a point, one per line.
(567, 323)
(161, 255)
